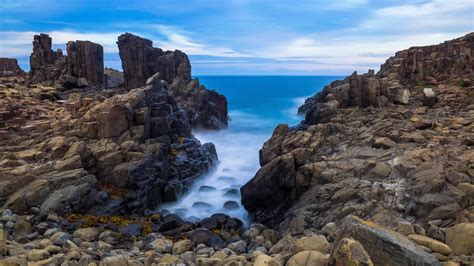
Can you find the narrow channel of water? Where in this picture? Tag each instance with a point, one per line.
(256, 105)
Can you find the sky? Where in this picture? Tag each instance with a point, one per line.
(243, 37)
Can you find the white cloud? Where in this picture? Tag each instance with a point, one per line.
(176, 39)
(19, 43)
(429, 16)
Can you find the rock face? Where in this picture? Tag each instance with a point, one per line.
(206, 109)
(374, 145)
(9, 67)
(45, 64)
(85, 59)
(82, 67)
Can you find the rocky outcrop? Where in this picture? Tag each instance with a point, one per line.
(9, 67)
(449, 62)
(121, 154)
(206, 109)
(85, 60)
(45, 64)
(140, 60)
(386, 147)
(82, 67)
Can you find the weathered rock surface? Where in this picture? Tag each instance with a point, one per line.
(85, 59)
(374, 145)
(45, 64)
(9, 67)
(121, 154)
(140, 60)
(385, 247)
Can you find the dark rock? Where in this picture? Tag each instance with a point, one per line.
(200, 235)
(9, 67)
(45, 64)
(232, 193)
(231, 205)
(207, 189)
(140, 60)
(85, 59)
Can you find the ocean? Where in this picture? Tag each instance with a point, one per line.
(257, 104)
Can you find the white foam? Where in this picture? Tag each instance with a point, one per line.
(238, 151)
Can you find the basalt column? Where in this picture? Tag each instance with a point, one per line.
(85, 59)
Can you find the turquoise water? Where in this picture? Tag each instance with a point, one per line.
(257, 104)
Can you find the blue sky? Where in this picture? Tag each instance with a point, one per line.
(243, 37)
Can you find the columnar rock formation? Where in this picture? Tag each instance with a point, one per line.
(9, 67)
(140, 60)
(388, 146)
(206, 108)
(85, 59)
(45, 64)
(83, 66)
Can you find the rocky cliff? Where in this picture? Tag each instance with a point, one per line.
(392, 146)
(206, 109)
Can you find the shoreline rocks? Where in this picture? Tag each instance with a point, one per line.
(376, 145)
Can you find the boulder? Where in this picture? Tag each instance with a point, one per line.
(265, 260)
(182, 246)
(350, 252)
(161, 245)
(315, 243)
(89, 234)
(434, 245)
(429, 97)
(460, 238)
(306, 258)
(383, 245)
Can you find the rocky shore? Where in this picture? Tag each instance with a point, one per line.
(379, 173)
(393, 147)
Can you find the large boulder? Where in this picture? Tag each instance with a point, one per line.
(460, 238)
(384, 246)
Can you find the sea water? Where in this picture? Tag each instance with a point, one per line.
(257, 104)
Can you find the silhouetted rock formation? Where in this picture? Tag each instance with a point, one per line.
(206, 109)
(45, 64)
(85, 59)
(9, 67)
(383, 146)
